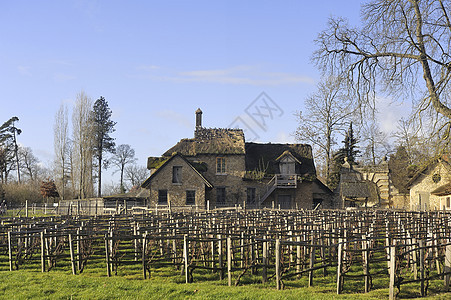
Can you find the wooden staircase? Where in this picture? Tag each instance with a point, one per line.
(283, 181)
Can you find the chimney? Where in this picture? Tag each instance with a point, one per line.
(198, 118)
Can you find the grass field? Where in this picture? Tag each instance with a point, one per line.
(166, 283)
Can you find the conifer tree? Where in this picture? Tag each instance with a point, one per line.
(103, 142)
(348, 151)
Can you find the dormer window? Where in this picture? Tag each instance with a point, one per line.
(220, 165)
(287, 165)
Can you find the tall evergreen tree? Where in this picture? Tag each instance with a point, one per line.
(349, 152)
(103, 142)
(8, 141)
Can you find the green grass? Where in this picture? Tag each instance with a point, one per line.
(166, 283)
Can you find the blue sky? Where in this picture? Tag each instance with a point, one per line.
(156, 62)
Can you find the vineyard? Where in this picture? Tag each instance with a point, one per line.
(357, 251)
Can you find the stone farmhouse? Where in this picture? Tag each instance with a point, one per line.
(218, 168)
(430, 187)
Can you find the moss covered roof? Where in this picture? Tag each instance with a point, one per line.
(265, 156)
(210, 141)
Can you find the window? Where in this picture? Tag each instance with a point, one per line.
(220, 165)
(250, 196)
(190, 197)
(287, 166)
(163, 197)
(448, 202)
(436, 178)
(176, 174)
(220, 195)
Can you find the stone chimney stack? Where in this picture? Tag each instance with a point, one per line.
(198, 119)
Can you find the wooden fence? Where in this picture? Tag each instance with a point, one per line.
(275, 245)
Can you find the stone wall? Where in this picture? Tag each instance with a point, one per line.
(301, 197)
(231, 180)
(420, 190)
(177, 191)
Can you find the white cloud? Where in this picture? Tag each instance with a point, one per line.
(243, 74)
(284, 138)
(60, 77)
(390, 112)
(23, 70)
(175, 117)
(148, 67)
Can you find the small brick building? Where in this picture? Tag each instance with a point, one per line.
(218, 168)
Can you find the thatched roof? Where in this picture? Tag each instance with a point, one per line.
(210, 141)
(359, 189)
(264, 156)
(146, 183)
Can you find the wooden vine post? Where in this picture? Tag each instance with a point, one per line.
(392, 270)
(447, 268)
(340, 267)
(229, 260)
(186, 258)
(277, 250)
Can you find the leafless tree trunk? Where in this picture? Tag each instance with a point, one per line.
(28, 162)
(124, 156)
(61, 147)
(83, 142)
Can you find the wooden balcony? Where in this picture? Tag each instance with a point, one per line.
(282, 181)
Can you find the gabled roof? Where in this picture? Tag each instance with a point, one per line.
(323, 187)
(355, 189)
(260, 156)
(289, 154)
(443, 190)
(444, 160)
(210, 141)
(147, 182)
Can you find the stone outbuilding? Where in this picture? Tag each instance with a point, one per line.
(217, 168)
(430, 186)
(354, 190)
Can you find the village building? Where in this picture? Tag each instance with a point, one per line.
(218, 168)
(354, 191)
(381, 175)
(369, 186)
(430, 186)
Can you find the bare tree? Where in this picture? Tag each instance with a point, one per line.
(61, 147)
(374, 142)
(28, 163)
(421, 143)
(135, 175)
(124, 156)
(83, 144)
(328, 111)
(401, 44)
